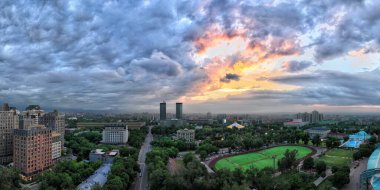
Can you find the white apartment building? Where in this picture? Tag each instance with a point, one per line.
(115, 134)
(186, 134)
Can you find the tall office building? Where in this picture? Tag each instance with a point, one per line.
(306, 117)
(316, 117)
(178, 110)
(209, 115)
(32, 151)
(163, 111)
(313, 117)
(56, 122)
(9, 121)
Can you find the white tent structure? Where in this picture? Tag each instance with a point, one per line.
(237, 125)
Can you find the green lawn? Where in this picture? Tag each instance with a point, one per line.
(337, 157)
(259, 159)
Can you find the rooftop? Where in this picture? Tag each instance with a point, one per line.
(318, 129)
(237, 125)
(99, 177)
(97, 151)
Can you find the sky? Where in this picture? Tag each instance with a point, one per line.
(222, 56)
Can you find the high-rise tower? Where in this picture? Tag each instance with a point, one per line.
(9, 121)
(178, 110)
(163, 111)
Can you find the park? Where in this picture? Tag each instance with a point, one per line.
(260, 159)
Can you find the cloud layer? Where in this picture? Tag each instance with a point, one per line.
(130, 55)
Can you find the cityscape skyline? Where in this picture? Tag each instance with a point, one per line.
(280, 56)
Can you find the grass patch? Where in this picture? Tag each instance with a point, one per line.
(260, 159)
(337, 157)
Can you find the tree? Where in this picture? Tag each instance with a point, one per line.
(305, 139)
(96, 187)
(194, 169)
(334, 169)
(372, 140)
(316, 140)
(340, 178)
(9, 178)
(238, 176)
(115, 184)
(329, 143)
(288, 160)
(357, 155)
(209, 148)
(320, 166)
(157, 178)
(235, 186)
(308, 163)
(188, 158)
(203, 154)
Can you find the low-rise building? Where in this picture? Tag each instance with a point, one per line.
(173, 122)
(321, 131)
(337, 135)
(186, 134)
(132, 125)
(295, 123)
(115, 134)
(106, 157)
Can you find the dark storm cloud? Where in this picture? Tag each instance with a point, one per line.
(159, 64)
(332, 88)
(295, 66)
(131, 54)
(229, 77)
(358, 29)
(95, 54)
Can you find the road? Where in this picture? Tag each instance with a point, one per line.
(355, 175)
(141, 183)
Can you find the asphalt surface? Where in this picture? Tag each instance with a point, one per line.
(355, 175)
(141, 182)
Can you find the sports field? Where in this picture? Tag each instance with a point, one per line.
(260, 159)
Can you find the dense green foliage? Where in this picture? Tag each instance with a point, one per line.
(316, 140)
(10, 179)
(320, 167)
(137, 137)
(122, 174)
(207, 147)
(168, 142)
(68, 174)
(81, 143)
(365, 150)
(308, 163)
(332, 142)
(340, 177)
(288, 161)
